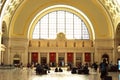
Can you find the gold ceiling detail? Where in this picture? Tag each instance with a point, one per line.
(112, 7)
(12, 6)
(2, 2)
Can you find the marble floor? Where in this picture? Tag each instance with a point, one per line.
(29, 74)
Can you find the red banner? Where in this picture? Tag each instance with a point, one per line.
(87, 57)
(70, 57)
(34, 56)
(52, 57)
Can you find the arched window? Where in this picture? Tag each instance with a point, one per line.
(60, 21)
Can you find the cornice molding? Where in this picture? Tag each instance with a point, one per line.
(19, 39)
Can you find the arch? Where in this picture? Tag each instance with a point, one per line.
(62, 7)
(21, 23)
(5, 4)
(117, 39)
(16, 56)
(117, 35)
(60, 21)
(16, 60)
(106, 57)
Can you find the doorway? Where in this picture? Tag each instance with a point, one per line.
(106, 57)
(61, 59)
(16, 60)
(43, 60)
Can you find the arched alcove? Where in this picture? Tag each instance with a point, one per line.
(118, 35)
(106, 57)
(16, 59)
(117, 40)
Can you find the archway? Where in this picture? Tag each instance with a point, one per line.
(118, 35)
(105, 56)
(117, 39)
(16, 60)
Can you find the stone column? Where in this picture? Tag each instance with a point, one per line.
(9, 61)
(74, 59)
(57, 58)
(39, 57)
(30, 57)
(0, 58)
(25, 57)
(0, 43)
(22, 56)
(92, 56)
(65, 59)
(83, 57)
(48, 58)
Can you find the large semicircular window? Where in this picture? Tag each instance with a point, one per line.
(60, 21)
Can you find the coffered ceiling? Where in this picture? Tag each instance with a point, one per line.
(18, 14)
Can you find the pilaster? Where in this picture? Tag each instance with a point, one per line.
(0, 45)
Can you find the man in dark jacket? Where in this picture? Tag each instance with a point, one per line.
(103, 69)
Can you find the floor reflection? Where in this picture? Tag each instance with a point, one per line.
(29, 74)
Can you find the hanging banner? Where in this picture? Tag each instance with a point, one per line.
(70, 57)
(87, 57)
(34, 57)
(52, 57)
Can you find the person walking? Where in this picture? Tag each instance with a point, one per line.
(103, 69)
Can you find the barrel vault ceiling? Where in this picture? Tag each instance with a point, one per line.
(16, 15)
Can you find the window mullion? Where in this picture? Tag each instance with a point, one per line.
(73, 26)
(48, 26)
(56, 22)
(39, 29)
(65, 21)
(70, 26)
(81, 29)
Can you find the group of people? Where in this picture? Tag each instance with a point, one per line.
(42, 69)
(103, 68)
(58, 69)
(80, 69)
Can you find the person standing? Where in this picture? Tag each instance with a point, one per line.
(103, 69)
(95, 66)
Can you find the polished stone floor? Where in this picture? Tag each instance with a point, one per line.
(29, 74)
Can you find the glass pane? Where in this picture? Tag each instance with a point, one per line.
(60, 21)
(69, 25)
(77, 27)
(36, 31)
(52, 25)
(44, 27)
